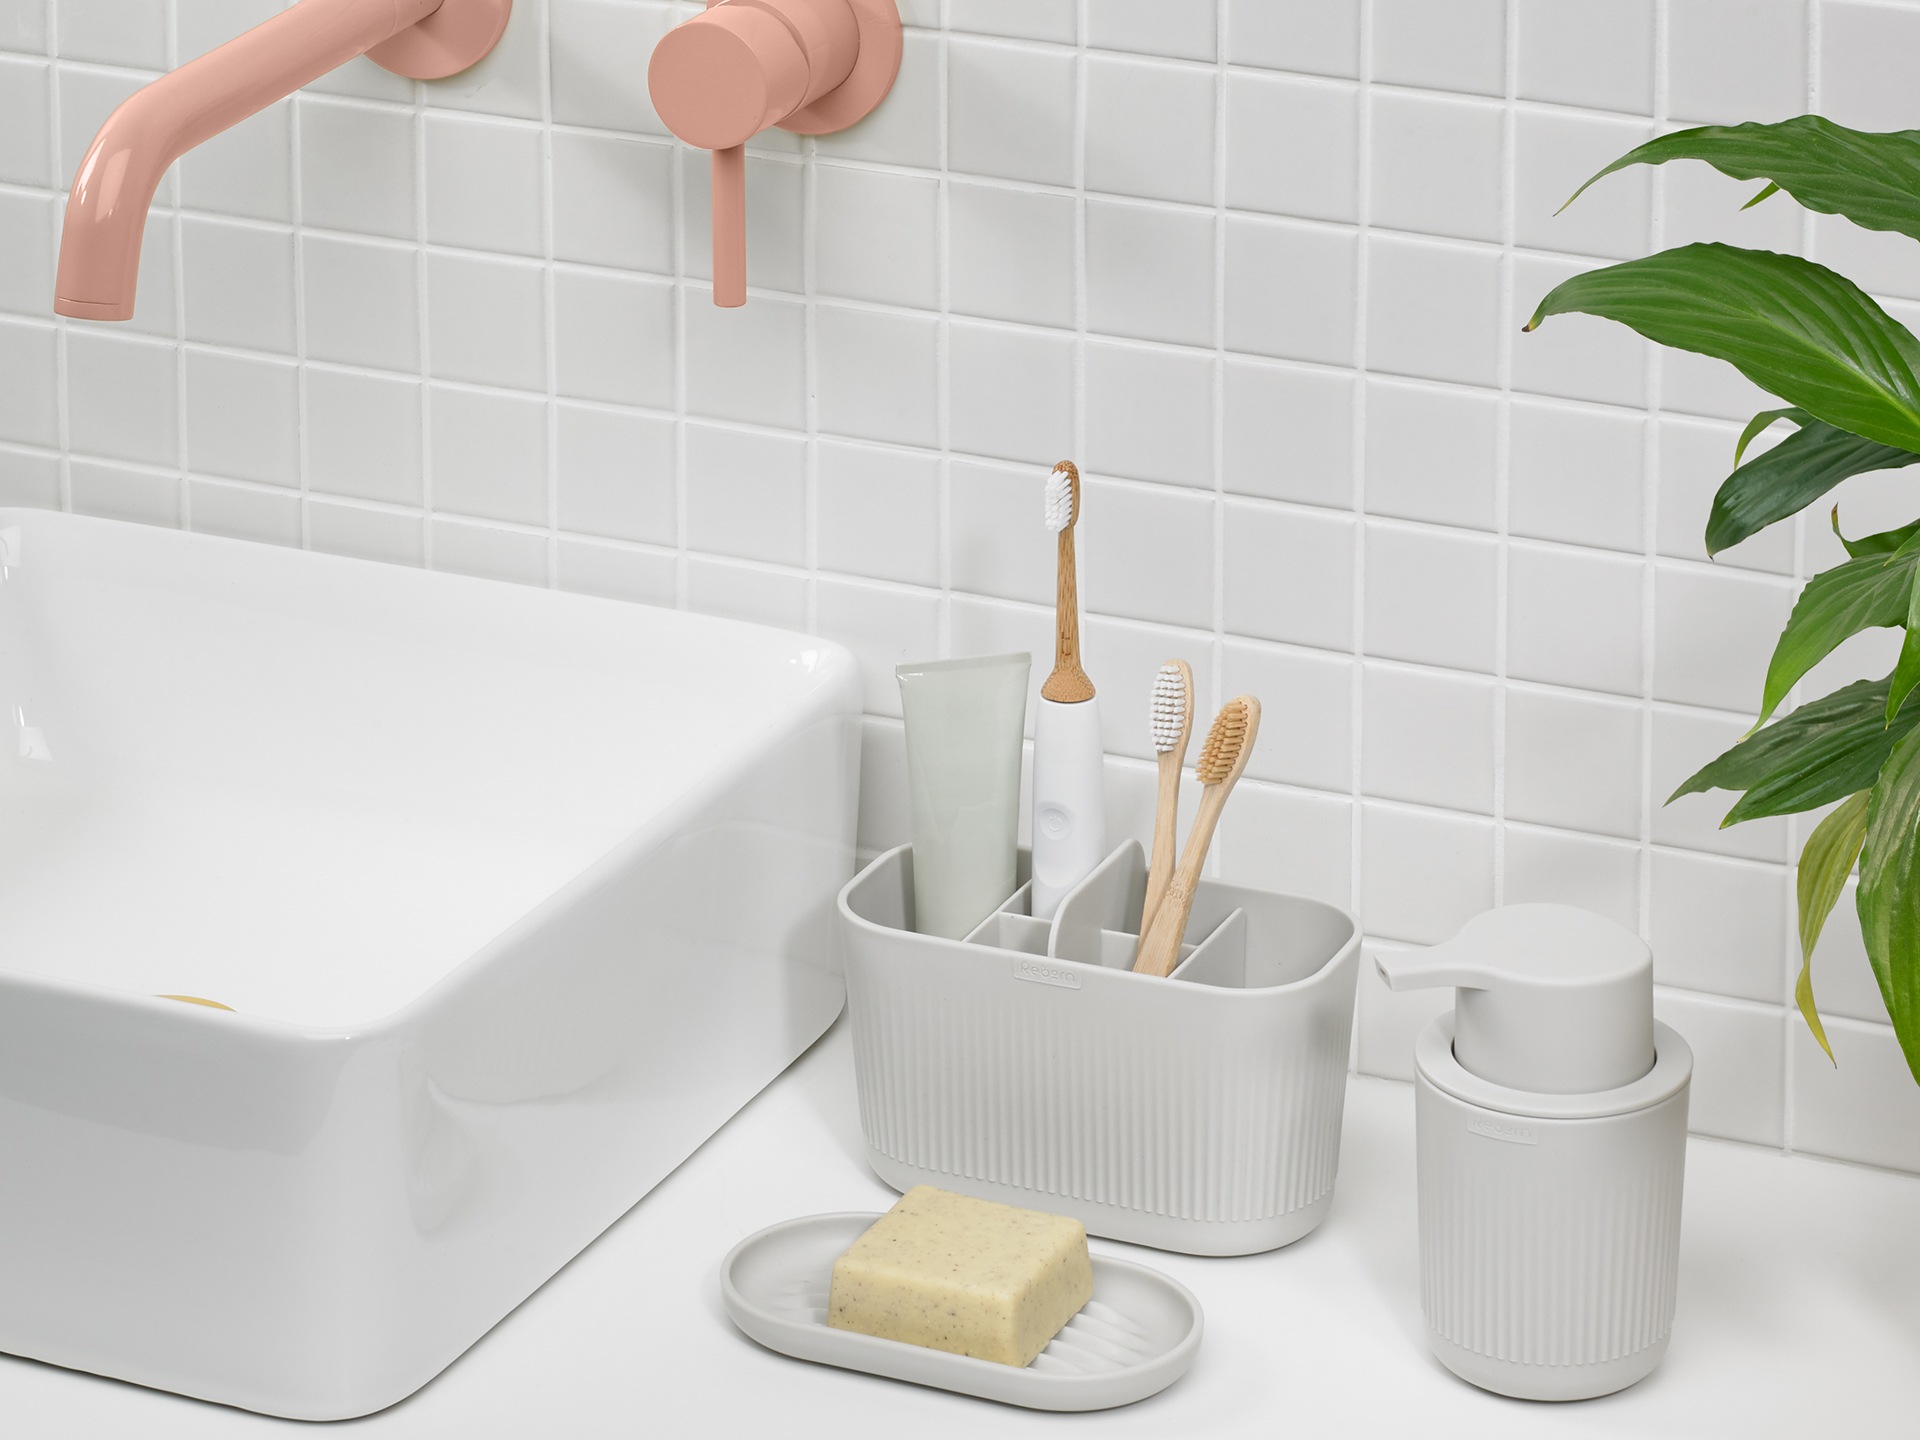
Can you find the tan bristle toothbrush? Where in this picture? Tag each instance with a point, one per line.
(1222, 759)
(1069, 805)
(1172, 726)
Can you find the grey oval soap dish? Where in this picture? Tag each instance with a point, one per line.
(1135, 1337)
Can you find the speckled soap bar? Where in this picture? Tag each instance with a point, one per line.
(963, 1275)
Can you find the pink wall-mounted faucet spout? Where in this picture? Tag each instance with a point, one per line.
(113, 189)
(809, 66)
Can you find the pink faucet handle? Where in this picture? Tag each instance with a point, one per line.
(809, 66)
(719, 80)
(730, 226)
(726, 75)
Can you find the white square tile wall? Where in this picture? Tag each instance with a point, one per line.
(1260, 265)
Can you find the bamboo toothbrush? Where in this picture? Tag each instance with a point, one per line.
(1068, 683)
(1222, 759)
(1069, 807)
(1172, 726)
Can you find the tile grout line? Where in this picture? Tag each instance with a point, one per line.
(303, 425)
(62, 387)
(810, 374)
(549, 302)
(943, 361)
(1078, 419)
(507, 260)
(1650, 498)
(1222, 23)
(1503, 445)
(423, 304)
(183, 497)
(1438, 386)
(1384, 522)
(683, 565)
(116, 71)
(1273, 218)
(1356, 702)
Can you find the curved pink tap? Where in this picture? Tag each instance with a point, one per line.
(113, 189)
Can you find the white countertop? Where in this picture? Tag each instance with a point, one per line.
(1799, 1315)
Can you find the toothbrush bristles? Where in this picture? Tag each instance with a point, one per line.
(1169, 708)
(1224, 743)
(1059, 499)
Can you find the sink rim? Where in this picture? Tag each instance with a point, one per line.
(833, 669)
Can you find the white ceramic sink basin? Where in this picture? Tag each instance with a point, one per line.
(516, 897)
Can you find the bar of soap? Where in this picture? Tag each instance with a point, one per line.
(963, 1275)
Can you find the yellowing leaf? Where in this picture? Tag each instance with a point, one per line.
(1825, 862)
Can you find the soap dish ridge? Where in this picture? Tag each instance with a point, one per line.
(1136, 1336)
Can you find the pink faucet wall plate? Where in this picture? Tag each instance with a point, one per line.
(807, 66)
(456, 37)
(113, 188)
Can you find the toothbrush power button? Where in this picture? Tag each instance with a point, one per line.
(1055, 820)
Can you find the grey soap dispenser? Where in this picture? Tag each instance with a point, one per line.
(1551, 1115)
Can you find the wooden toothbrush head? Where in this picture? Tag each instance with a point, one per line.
(1229, 743)
(1068, 684)
(1063, 496)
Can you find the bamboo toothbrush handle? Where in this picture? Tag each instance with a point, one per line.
(1160, 947)
(1068, 683)
(1166, 817)
(1066, 609)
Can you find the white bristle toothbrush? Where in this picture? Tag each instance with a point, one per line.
(1069, 805)
(1222, 759)
(1172, 724)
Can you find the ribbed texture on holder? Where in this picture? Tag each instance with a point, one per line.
(1528, 1260)
(1067, 1093)
(1030, 1065)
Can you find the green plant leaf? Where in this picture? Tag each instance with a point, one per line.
(1836, 605)
(1871, 178)
(1765, 420)
(1886, 542)
(1767, 192)
(1889, 898)
(1906, 670)
(1791, 476)
(1824, 751)
(1825, 862)
(1794, 328)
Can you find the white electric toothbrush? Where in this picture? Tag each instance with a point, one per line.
(1069, 803)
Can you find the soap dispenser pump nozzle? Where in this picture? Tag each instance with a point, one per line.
(1552, 999)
